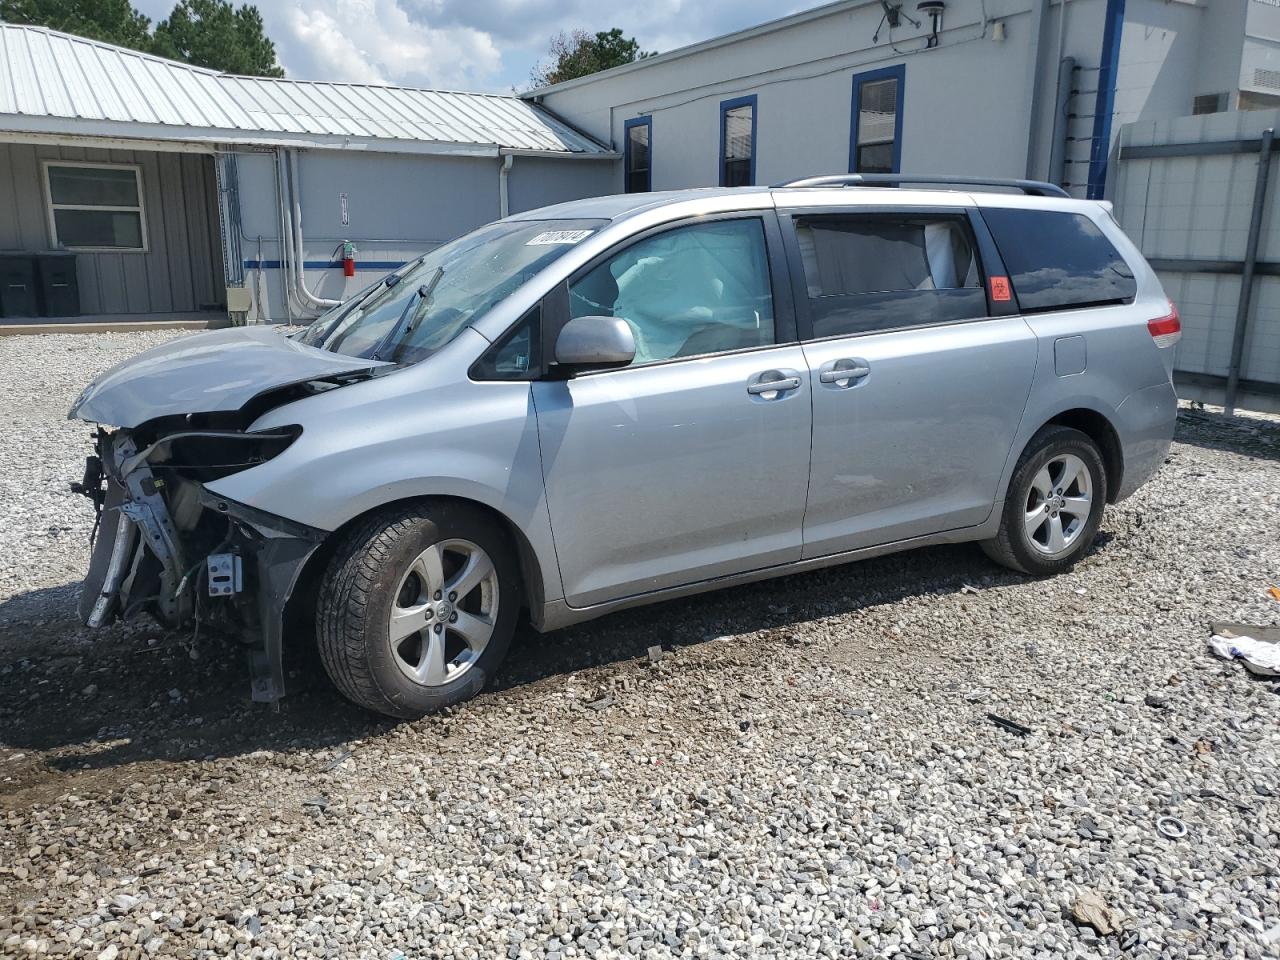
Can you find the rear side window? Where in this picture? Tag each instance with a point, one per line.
(867, 272)
(1058, 261)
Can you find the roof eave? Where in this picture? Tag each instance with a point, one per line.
(215, 137)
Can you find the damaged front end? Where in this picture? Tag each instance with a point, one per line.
(167, 546)
(170, 421)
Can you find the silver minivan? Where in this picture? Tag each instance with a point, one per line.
(627, 399)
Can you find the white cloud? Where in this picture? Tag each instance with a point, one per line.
(376, 41)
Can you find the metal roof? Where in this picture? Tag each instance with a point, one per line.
(52, 82)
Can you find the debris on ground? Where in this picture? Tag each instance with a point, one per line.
(1010, 725)
(1089, 909)
(1258, 646)
(1171, 827)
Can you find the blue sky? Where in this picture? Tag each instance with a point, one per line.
(488, 45)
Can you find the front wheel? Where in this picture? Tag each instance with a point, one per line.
(1054, 505)
(417, 608)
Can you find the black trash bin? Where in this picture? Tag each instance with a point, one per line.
(59, 288)
(18, 285)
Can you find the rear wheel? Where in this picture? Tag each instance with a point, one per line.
(1054, 504)
(417, 608)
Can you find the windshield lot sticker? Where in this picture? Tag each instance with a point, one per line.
(558, 236)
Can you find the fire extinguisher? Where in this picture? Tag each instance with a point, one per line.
(348, 258)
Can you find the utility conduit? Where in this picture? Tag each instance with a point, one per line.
(299, 280)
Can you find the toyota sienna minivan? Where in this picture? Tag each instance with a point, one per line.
(626, 399)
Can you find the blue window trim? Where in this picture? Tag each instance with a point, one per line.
(725, 107)
(1105, 104)
(897, 72)
(646, 121)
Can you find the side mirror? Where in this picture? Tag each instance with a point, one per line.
(595, 342)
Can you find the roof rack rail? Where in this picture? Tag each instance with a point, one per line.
(1033, 188)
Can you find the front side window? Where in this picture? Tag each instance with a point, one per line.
(416, 311)
(517, 355)
(868, 272)
(738, 142)
(639, 177)
(876, 138)
(95, 207)
(689, 291)
(1058, 261)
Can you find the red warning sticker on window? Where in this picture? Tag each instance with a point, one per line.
(1000, 289)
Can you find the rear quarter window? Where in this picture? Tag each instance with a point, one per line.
(1058, 260)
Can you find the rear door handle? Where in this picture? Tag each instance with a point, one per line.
(773, 382)
(844, 372)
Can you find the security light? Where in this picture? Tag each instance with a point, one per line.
(933, 10)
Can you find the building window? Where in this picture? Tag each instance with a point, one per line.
(738, 142)
(636, 155)
(95, 206)
(1209, 103)
(875, 137)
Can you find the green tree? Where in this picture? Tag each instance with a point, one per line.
(579, 53)
(212, 33)
(112, 21)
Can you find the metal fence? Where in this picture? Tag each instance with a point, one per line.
(1197, 196)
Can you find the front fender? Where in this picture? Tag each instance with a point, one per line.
(438, 434)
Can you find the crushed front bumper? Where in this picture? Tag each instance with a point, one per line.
(152, 553)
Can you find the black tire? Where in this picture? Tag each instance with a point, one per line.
(357, 595)
(1012, 546)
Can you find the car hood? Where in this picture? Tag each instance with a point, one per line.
(210, 372)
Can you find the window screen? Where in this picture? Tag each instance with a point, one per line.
(1058, 261)
(737, 138)
(876, 272)
(877, 101)
(91, 206)
(638, 178)
(693, 290)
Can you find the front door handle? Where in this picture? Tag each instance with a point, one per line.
(844, 372)
(776, 382)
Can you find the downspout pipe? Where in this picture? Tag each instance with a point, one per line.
(300, 282)
(507, 161)
(285, 233)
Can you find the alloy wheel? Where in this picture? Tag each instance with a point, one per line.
(444, 612)
(1058, 504)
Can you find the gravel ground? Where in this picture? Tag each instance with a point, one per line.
(808, 771)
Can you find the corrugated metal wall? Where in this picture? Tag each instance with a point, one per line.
(1196, 208)
(180, 272)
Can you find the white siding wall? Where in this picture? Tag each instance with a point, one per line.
(398, 207)
(965, 102)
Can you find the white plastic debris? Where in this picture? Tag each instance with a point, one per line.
(1259, 656)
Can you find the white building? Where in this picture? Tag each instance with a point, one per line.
(940, 86)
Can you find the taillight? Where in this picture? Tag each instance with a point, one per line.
(1166, 330)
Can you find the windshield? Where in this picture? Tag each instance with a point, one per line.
(414, 312)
